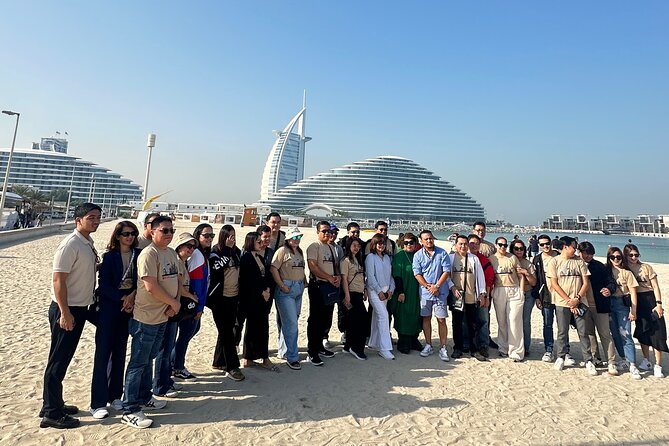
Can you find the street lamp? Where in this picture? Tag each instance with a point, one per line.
(9, 160)
(150, 143)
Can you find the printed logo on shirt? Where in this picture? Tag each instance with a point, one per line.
(169, 270)
(566, 271)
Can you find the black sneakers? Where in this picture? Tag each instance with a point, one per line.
(316, 360)
(295, 365)
(326, 353)
(66, 422)
(67, 410)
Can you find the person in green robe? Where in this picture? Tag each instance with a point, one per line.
(405, 303)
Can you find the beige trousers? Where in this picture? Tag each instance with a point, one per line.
(508, 303)
(600, 322)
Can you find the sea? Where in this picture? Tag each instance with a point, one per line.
(654, 250)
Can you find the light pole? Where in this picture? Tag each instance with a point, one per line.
(9, 160)
(150, 143)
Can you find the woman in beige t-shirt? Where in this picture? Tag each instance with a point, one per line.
(527, 270)
(509, 300)
(650, 328)
(288, 274)
(353, 284)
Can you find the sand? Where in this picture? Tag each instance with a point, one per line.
(411, 400)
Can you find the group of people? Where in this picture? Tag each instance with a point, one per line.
(157, 295)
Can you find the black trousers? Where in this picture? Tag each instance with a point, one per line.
(317, 319)
(224, 312)
(342, 320)
(63, 345)
(356, 330)
(469, 317)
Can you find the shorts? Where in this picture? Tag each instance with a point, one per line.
(436, 307)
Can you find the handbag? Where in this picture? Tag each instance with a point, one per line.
(330, 293)
(627, 300)
(187, 310)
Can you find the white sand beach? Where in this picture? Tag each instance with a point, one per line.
(411, 400)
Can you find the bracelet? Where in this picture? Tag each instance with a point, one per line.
(659, 302)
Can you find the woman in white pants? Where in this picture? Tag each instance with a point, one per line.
(380, 287)
(508, 298)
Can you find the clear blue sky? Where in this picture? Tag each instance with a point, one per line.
(531, 107)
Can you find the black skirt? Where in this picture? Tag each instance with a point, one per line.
(650, 330)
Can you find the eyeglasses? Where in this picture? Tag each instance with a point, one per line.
(633, 255)
(381, 243)
(129, 234)
(189, 246)
(167, 230)
(616, 257)
(208, 235)
(409, 242)
(383, 229)
(296, 237)
(518, 248)
(354, 232)
(502, 245)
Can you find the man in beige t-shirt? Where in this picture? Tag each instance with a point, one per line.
(487, 248)
(157, 299)
(568, 276)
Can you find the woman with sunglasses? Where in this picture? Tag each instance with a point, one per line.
(353, 286)
(651, 329)
(254, 291)
(198, 275)
(288, 274)
(117, 286)
(380, 286)
(405, 303)
(509, 300)
(527, 270)
(623, 310)
(223, 300)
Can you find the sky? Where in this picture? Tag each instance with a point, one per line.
(531, 108)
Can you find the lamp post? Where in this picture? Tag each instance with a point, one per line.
(9, 160)
(150, 143)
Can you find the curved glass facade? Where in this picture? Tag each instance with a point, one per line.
(379, 188)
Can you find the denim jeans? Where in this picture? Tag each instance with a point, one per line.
(162, 375)
(289, 306)
(527, 320)
(146, 342)
(548, 313)
(187, 329)
(484, 327)
(621, 329)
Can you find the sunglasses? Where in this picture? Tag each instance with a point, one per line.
(502, 245)
(616, 257)
(383, 229)
(129, 234)
(518, 248)
(355, 232)
(297, 237)
(326, 231)
(189, 246)
(544, 244)
(409, 242)
(167, 230)
(633, 255)
(209, 235)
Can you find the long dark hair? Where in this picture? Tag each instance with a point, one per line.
(350, 242)
(612, 250)
(196, 235)
(114, 244)
(629, 248)
(376, 239)
(223, 236)
(289, 247)
(250, 241)
(517, 242)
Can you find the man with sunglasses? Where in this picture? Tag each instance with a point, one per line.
(569, 279)
(144, 238)
(73, 285)
(157, 299)
(543, 298)
(381, 227)
(342, 312)
(487, 248)
(321, 258)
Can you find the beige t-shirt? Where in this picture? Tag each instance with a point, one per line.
(77, 257)
(526, 264)
(643, 273)
(352, 272)
(505, 270)
(277, 244)
(290, 266)
(322, 253)
(231, 281)
(127, 281)
(570, 274)
(458, 277)
(143, 242)
(163, 264)
(487, 248)
(624, 280)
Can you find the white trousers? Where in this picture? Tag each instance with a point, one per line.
(509, 311)
(379, 337)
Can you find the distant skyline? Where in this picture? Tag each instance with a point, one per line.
(530, 108)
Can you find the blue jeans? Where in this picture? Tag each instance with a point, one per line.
(187, 329)
(548, 312)
(621, 329)
(484, 330)
(289, 305)
(527, 320)
(162, 375)
(146, 341)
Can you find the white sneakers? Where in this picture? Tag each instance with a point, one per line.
(613, 370)
(100, 413)
(427, 351)
(386, 354)
(137, 420)
(569, 361)
(590, 368)
(547, 357)
(634, 372)
(657, 371)
(443, 354)
(645, 365)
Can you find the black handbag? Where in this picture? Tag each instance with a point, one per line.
(330, 293)
(187, 310)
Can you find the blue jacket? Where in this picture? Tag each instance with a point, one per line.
(110, 274)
